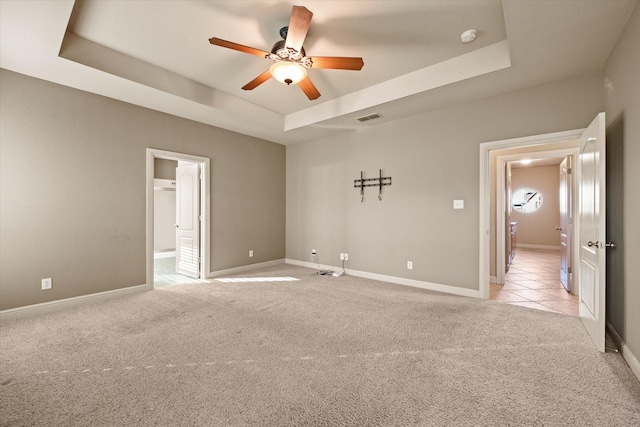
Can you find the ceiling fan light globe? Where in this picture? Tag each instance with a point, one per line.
(288, 72)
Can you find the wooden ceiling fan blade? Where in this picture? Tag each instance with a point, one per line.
(309, 88)
(337, 62)
(239, 47)
(257, 81)
(298, 27)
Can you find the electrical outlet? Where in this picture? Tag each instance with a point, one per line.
(346, 256)
(458, 204)
(47, 283)
(250, 253)
(313, 252)
(409, 265)
(341, 256)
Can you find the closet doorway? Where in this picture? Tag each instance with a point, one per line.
(177, 218)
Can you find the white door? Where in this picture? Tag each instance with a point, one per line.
(592, 230)
(187, 220)
(566, 220)
(507, 214)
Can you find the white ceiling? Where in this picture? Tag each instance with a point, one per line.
(156, 54)
(533, 163)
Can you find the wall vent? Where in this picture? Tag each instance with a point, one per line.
(369, 117)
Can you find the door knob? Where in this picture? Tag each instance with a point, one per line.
(591, 244)
(610, 245)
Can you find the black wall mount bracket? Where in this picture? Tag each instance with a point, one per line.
(379, 182)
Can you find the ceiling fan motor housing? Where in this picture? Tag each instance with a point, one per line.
(283, 32)
(280, 52)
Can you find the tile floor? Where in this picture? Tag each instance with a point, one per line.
(164, 273)
(533, 281)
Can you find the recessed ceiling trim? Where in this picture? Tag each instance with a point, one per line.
(98, 57)
(482, 61)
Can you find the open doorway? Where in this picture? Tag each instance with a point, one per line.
(177, 218)
(538, 215)
(535, 187)
(495, 228)
(589, 240)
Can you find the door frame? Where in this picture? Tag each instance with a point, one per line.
(486, 149)
(205, 207)
(500, 198)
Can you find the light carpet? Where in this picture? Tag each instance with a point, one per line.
(318, 351)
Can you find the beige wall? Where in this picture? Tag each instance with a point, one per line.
(538, 228)
(433, 159)
(164, 169)
(72, 185)
(622, 106)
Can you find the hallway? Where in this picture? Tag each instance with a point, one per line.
(533, 281)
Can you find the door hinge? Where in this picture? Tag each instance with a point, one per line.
(569, 171)
(569, 270)
(570, 220)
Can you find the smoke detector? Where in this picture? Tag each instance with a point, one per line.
(468, 36)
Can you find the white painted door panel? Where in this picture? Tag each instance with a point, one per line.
(592, 237)
(187, 220)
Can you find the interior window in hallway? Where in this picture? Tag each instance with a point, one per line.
(533, 281)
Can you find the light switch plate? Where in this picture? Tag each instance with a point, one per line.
(458, 204)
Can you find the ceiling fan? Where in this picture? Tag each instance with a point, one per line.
(291, 62)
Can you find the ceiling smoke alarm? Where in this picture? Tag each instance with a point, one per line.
(468, 36)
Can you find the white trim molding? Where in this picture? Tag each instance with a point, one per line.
(537, 247)
(48, 307)
(447, 289)
(163, 255)
(631, 359)
(242, 269)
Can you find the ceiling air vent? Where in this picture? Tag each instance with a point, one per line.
(369, 117)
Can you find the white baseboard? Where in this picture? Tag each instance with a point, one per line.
(164, 254)
(539, 247)
(493, 279)
(631, 359)
(236, 270)
(393, 279)
(48, 307)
